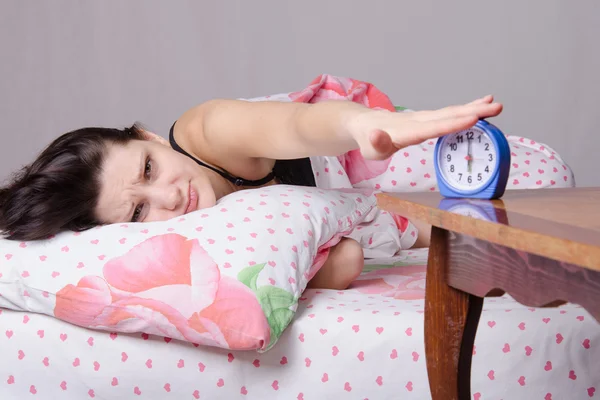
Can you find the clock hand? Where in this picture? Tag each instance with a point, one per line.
(469, 157)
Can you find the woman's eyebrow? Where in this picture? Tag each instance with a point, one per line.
(142, 167)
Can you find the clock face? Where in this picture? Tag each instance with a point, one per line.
(467, 159)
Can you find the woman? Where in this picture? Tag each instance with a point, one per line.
(98, 176)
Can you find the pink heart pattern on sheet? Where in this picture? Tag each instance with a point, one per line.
(362, 339)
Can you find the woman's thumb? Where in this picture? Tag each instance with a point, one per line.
(382, 144)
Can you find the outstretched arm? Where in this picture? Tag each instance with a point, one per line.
(278, 130)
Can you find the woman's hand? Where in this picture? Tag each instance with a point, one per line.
(379, 133)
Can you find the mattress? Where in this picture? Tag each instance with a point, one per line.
(362, 343)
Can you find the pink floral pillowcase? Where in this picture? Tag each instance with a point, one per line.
(229, 276)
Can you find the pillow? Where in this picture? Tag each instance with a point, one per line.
(229, 276)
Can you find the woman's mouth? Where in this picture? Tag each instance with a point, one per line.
(192, 200)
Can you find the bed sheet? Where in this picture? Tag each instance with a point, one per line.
(362, 343)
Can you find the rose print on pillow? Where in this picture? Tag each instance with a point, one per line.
(169, 286)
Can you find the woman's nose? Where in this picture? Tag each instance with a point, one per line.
(167, 197)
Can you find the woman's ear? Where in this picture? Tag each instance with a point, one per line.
(153, 137)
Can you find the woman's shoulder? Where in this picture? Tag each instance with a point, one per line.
(186, 136)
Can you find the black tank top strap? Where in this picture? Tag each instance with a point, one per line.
(235, 180)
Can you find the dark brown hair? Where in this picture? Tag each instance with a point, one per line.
(59, 190)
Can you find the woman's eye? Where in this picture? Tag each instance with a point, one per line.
(136, 213)
(148, 169)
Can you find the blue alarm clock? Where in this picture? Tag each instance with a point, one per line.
(473, 163)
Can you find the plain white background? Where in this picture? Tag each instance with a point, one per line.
(68, 64)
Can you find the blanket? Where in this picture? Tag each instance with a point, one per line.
(387, 234)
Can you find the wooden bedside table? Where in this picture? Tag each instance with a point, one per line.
(540, 246)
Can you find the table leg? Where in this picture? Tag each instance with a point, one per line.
(451, 319)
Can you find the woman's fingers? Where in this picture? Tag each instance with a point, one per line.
(482, 109)
(406, 129)
(484, 99)
(384, 144)
(425, 130)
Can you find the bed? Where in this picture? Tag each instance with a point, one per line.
(365, 342)
(362, 343)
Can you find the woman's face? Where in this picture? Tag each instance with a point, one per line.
(144, 181)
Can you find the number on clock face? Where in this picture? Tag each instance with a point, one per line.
(468, 159)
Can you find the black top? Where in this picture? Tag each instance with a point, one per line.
(289, 172)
